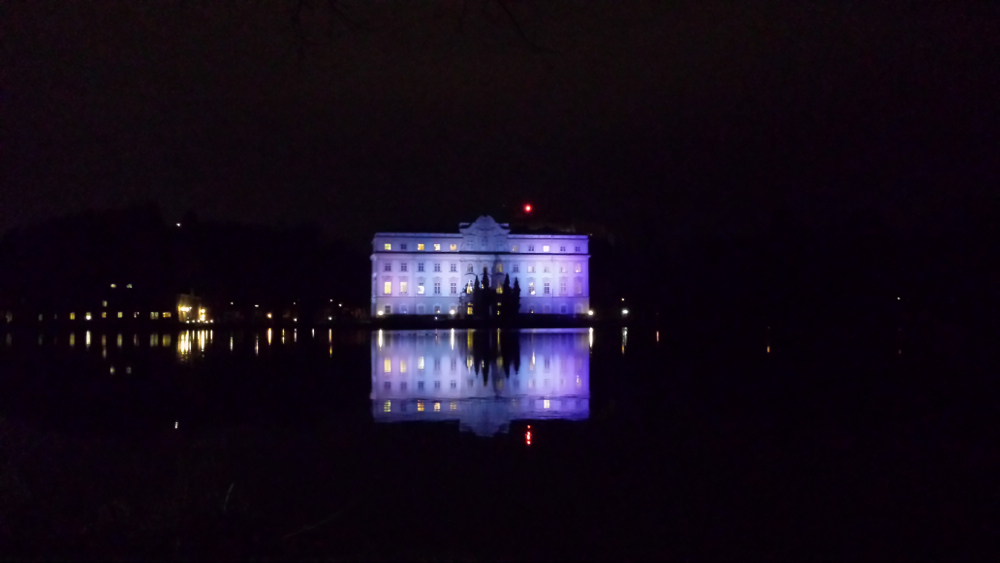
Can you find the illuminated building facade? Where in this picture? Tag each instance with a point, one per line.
(427, 273)
(481, 379)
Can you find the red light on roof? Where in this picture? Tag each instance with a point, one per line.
(527, 208)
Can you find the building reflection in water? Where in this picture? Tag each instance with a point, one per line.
(484, 379)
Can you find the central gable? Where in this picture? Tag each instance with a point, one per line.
(484, 235)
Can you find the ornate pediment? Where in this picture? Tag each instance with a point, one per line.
(484, 235)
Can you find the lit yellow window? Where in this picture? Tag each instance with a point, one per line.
(437, 247)
(387, 365)
(402, 366)
(154, 315)
(119, 314)
(437, 407)
(500, 268)
(104, 303)
(420, 362)
(500, 289)
(104, 314)
(388, 246)
(420, 246)
(545, 403)
(403, 288)
(452, 405)
(128, 286)
(545, 248)
(469, 311)
(87, 316)
(420, 406)
(166, 315)
(387, 406)
(387, 288)
(531, 288)
(454, 247)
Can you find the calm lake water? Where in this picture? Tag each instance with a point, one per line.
(550, 444)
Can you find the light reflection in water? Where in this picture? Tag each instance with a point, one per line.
(490, 389)
(120, 340)
(268, 337)
(72, 339)
(88, 339)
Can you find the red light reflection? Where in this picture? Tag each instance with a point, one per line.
(527, 208)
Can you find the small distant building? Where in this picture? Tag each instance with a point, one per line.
(426, 273)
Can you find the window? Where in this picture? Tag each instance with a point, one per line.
(454, 288)
(545, 248)
(437, 266)
(402, 366)
(531, 248)
(420, 246)
(562, 287)
(387, 366)
(468, 269)
(578, 287)
(402, 310)
(437, 247)
(388, 246)
(104, 303)
(403, 286)
(402, 246)
(420, 309)
(454, 363)
(437, 364)
(545, 268)
(402, 266)
(561, 249)
(531, 269)
(402, 387)
(579, 268)
(387, 288)
(387, 267)
(545, 288)
(420, 288)
(454, 385)
(437, 309)
(515, 268)
(454, 267)
(531, 288)
(499, 268)
(562, 268)
(420, 387)
(513, 248)
(437, 291)
(119, 315)
(72, 316)
(578, 249)
(420, 266)
(437, 385)
(454, 247)
(388, 309)
(563, 309)
(154, 315)
(166, 315)
(468, 310)
(104, 315)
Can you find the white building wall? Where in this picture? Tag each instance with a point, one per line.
(435, 261)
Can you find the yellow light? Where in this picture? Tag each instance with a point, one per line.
(624, 311)
(104, 303)
(437, 407)
(437, 247)
(379, 313)
(119, 314)
(420, 246)
(590, 312)
(387, 406)
(452, 405)
(104, 314)
(420, 406)
(87, 316)
(388, 246)
(454, 247)
(72, 316)
(269, 315)
(545, 403)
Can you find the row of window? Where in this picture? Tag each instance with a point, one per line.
(454, 247)
(497, 268)
(421, 364)
(104, 314)
(471, 382)
(545, 404)
(545, 309)
(404, 288)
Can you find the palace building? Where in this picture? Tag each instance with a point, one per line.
(428, 273)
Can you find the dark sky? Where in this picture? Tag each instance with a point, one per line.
(696, 117)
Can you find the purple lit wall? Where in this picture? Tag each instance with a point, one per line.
(460, 375)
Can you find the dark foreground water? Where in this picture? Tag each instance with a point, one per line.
(483, 445)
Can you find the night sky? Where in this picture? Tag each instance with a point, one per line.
(677, 118)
